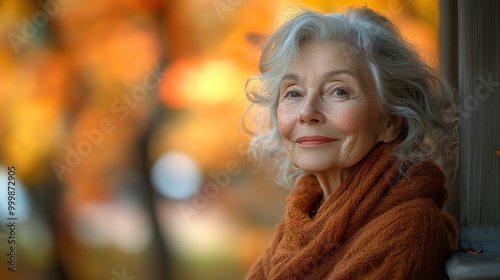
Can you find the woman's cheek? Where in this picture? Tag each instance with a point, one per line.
(285, 126)
(351, 120)
(341, 121)
(362, 130)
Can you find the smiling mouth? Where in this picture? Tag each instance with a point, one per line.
(314, 140)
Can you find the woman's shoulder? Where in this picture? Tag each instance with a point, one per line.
(415, 223)
(410, 241)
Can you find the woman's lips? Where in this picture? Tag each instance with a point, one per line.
(314, 140)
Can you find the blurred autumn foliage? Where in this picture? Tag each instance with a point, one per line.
(93, 93)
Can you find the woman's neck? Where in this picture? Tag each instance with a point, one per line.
(329, 180)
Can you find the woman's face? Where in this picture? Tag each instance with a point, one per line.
(327, 114)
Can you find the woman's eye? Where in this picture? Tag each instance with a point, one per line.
(340, 93)
(293, 94)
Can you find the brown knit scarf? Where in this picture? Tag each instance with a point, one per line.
(376, 225)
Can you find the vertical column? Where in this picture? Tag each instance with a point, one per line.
(448, 69)
(479, 97)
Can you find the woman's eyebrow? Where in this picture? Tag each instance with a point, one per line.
(326, 76)
(290, 76)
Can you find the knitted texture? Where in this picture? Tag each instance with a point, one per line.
(377, 224)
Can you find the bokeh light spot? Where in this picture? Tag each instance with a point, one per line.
(176, 175)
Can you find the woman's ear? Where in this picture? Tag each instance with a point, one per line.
(392, 130)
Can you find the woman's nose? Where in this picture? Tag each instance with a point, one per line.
(310, 112)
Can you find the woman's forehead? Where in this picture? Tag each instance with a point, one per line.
(324, 59)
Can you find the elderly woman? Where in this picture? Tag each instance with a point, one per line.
(357, 120)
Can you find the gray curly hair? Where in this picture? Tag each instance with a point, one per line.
(405, 85)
